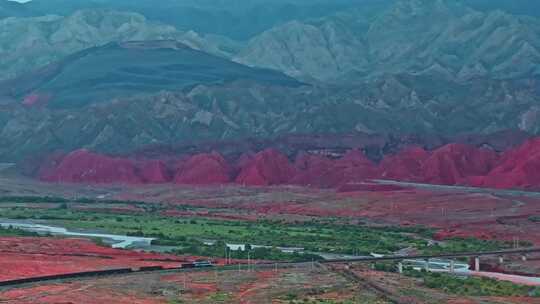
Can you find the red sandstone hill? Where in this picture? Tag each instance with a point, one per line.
(269, 167)
(453, 164)
(83, 166)
(405, 165)
(519, 168)
(204, 169)
(313, 170)
(154, 172)
(319, 171)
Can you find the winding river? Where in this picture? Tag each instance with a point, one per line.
(117, 241)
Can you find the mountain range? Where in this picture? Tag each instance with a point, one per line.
(114, 82)
(236, 19)
(125, 69)
(419, 37)
(30, 42)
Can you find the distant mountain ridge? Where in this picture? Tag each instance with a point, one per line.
(28, 43)
(236, 19)
(421, 37)
(427, 68)
(243, 19)
(244, 109)
(127, 69)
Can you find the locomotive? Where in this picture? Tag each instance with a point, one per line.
(197, 264)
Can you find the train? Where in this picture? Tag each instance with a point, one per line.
(97, 273)
(198, 264)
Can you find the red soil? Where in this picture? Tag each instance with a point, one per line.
(29, 257)
(75, 292)
(247, 290)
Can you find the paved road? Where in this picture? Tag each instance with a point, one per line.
(460, 188)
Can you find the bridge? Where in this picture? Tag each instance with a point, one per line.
(523, 251)
(500, 253)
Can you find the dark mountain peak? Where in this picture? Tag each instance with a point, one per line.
(125, 69)
(153, 45)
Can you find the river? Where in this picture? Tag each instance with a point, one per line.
(117, 241)
(144, 243)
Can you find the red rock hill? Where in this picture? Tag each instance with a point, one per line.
(452, 164)
(83, 166)
(269, 167)
(204, 169)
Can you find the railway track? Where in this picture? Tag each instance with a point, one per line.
(142, 270)
(281, 265)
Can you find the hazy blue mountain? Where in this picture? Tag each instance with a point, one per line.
(239, 109)
(242, 19)
(27, 43)
(413, 67)
(122, 70)
(14, 9)
(237, 19)
(518, 7)
(421, 37)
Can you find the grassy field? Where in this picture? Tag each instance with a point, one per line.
(472, 286)
(188, 234)
(10, 232)
(315, 236)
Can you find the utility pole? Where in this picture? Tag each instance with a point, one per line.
(249, 262)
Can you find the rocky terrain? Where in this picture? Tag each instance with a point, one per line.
(31, 123)
(236, 19)
(452, 164)
(421, 37)
(370, 78)
(339, 127)
(126, 69)
(30, 42)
